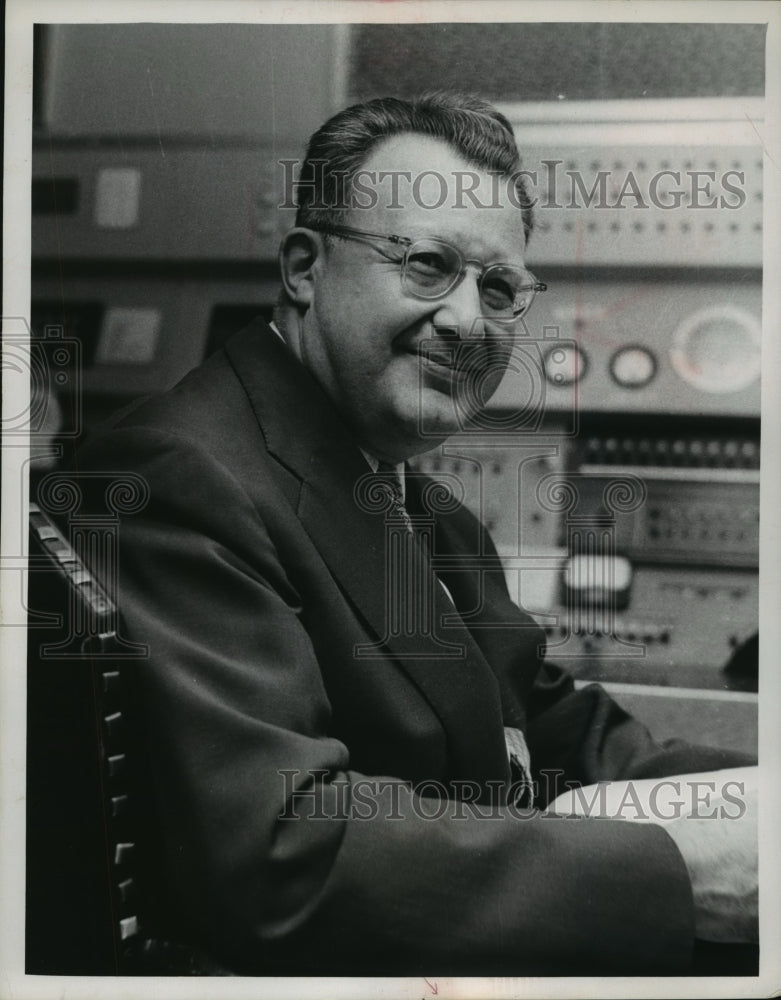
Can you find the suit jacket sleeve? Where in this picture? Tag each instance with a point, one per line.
(366, 876)
(574, 736)
(583, 736)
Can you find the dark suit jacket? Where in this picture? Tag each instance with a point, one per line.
(253, 575)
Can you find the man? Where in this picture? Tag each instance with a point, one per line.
(339, 793)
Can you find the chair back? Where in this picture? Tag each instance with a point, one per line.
(91, 908)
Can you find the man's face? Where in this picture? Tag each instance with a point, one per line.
(363, 336)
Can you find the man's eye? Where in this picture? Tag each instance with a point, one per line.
(497, 294)
(427, 265)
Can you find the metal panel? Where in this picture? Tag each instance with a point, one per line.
(602, 316)
(659, 205)
(194, 203)
(184, 309)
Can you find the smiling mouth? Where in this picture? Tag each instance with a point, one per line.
(440, 359)
(457, 361)
(444, 371)
(440, 369)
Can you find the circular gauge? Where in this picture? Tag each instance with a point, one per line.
(718, 349)
(565, 364)
(633, 367)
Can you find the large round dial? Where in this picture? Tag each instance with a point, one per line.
(718, 349)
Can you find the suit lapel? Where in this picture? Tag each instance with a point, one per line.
(443, 661)
(350, 530)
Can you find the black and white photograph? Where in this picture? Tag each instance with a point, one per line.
(390, 541)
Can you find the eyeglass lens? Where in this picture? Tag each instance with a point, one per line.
(433, 268)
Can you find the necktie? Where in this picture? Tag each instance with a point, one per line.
(392, 480)
(515, 742)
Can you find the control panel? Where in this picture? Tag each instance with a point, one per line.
(139, 202)
(617, 465)
(140, 335)
(663, 344)
(636, 552)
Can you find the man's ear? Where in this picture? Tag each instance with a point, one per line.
(299, 255)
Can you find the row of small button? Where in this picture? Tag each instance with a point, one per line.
(645, 632)
(710, 525)
(738, 453)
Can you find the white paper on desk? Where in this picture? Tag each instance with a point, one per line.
(721, 793)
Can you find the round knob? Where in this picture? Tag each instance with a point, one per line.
(633, 367)
(565, 364)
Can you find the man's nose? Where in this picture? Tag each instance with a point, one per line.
(460, 311)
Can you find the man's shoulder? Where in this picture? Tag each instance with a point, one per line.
(250, 416)
(209, 407)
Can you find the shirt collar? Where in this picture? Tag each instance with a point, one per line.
(374, 464)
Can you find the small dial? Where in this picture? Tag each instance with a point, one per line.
(565, 364)
(718, 349)
(633, 367)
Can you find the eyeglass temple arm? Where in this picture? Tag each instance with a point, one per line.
(349, 230)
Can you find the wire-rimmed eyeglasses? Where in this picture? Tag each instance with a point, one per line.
(432, 267)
